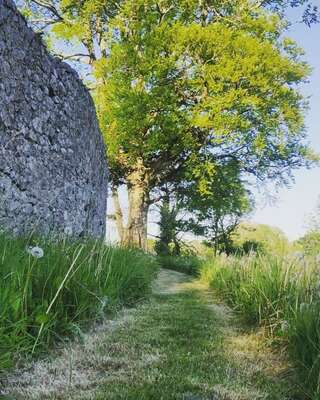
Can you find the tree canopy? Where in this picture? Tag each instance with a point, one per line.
(261, 237)
(177, 92)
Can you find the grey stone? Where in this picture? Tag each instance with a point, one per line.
(53, 171)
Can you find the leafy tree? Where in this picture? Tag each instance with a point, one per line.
(212, 214)
(170, 227)
(310, 243)
(189, 85)
(250, 246)
(264, 237)
(217, 213)
(184, 88)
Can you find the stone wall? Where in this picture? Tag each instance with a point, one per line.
(53, 172)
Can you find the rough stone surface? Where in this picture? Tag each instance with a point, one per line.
(53, 173)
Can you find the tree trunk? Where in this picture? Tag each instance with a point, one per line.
(118, 215)
(136, 231)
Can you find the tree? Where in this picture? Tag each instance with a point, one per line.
(170, 226)
(185, 85)
(260, 237)
(88, 20)
(213, 214)
(310, 13)
(217, 212)
(310, 243)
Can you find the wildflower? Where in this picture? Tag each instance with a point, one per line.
(36, 252)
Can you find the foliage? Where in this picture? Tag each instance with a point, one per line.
(170, 227)
(170, 82)
(310, 13)
(74, 283)
(188, 264)
(186, 88)
(182, 97)
(310, 243)
(279, 294)
(260, 237)
(250, 246)
(216, 214)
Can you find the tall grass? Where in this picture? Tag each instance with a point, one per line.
(280, 294)
(45, 299)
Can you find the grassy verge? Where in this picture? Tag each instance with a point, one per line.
(281, 295)
(44, 297)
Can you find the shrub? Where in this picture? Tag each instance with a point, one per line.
(73, 283)
(280, 294)
(188, 264)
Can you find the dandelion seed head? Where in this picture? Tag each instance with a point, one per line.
(36, 251)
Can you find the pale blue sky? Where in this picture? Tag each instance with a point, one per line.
(294, 204)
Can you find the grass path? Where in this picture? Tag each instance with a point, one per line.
(178, 345)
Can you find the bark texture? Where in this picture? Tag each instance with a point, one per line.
(136, 234)
(53, 172)
(133, 232)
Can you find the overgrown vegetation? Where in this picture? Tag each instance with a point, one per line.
(281, 294)
(44, 297)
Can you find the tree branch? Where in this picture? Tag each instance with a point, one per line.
(50, 7)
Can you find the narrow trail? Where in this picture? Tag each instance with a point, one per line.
(178, 345)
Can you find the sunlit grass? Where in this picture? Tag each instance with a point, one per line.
(73, 284)
(177, 347)
(280, 294)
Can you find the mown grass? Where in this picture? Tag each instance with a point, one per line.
(175, 348)
(75, 283)
(280, 294)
